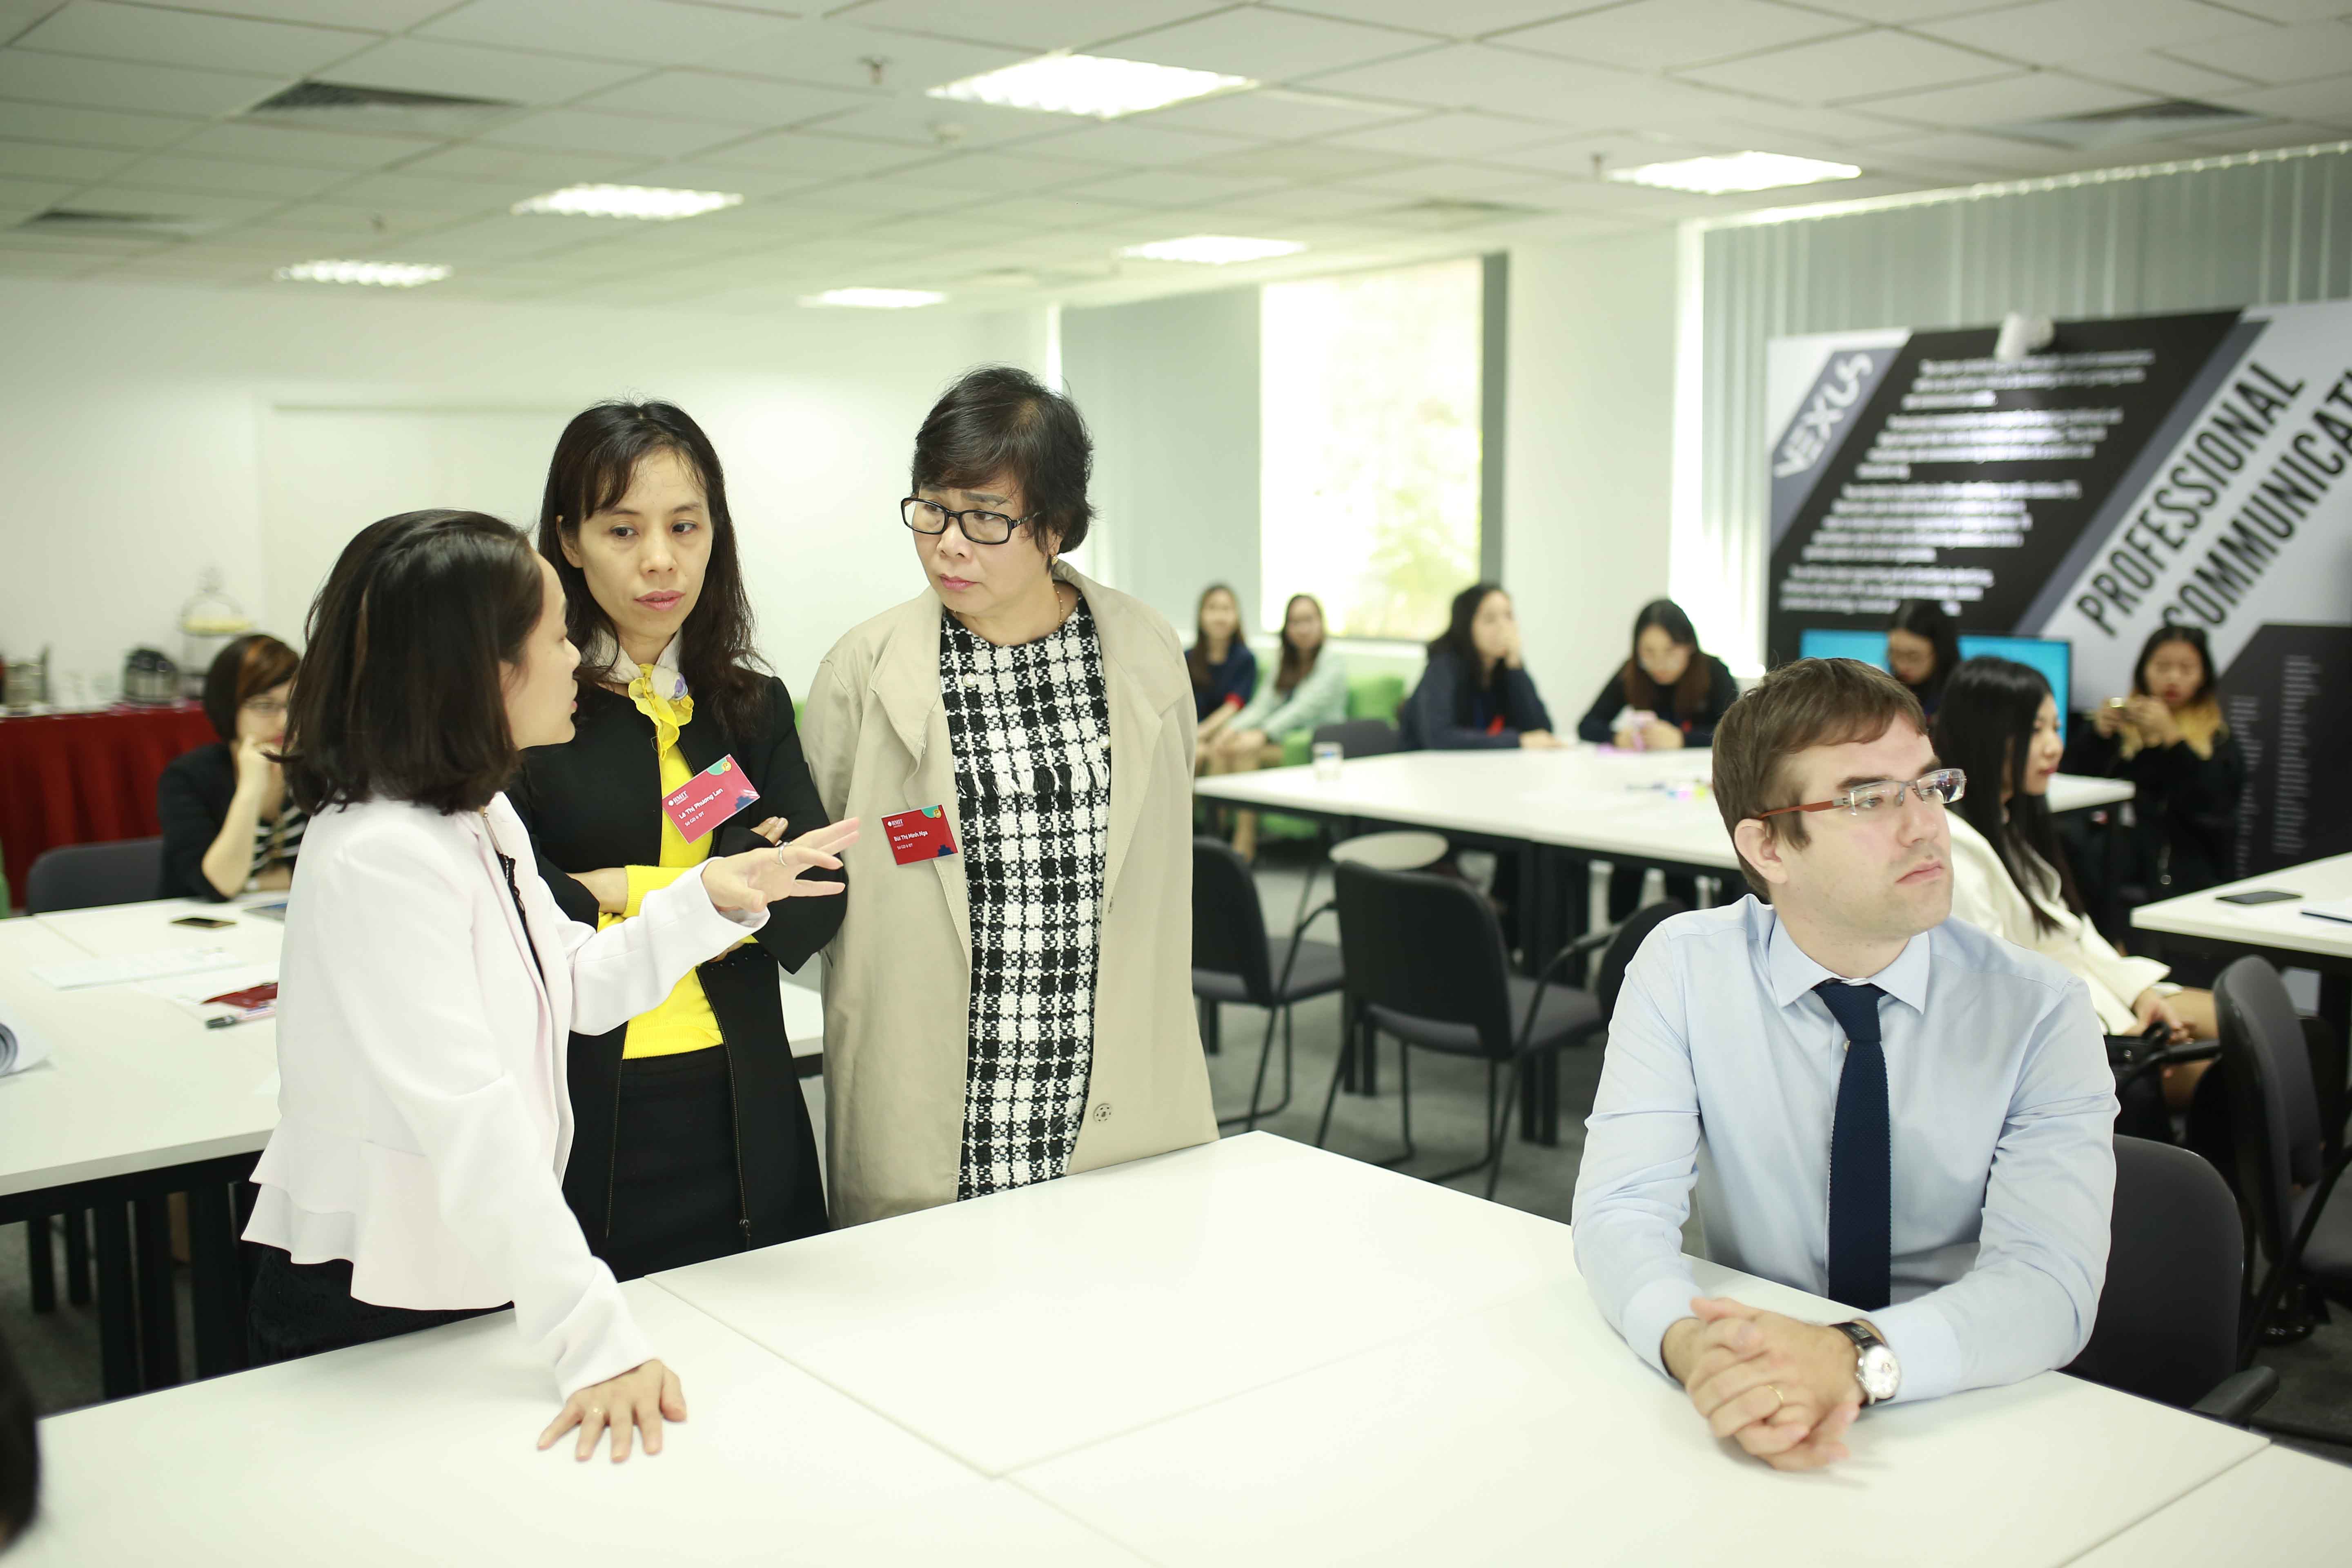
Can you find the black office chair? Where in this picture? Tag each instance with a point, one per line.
(1234, 962)
(1360, 737)
(87, 876)
(2168, 1323)
(1425, 962)
(2285, 1175)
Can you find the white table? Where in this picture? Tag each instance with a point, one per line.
(1246, 1352)
(2280, 1508)
(2280, 933)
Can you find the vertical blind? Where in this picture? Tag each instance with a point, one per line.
(2265, 229)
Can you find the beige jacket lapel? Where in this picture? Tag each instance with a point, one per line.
(906, 682)
(1141, 694)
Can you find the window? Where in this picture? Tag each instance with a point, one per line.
(1368, 484)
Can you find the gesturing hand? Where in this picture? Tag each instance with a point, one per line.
(1784, 1390)
(637, 1400)
(758, 877)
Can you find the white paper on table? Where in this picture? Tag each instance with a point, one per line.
(20, 1048)
(187, 991)
(2330, 909)
(132, 967)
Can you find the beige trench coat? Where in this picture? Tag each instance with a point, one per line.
(898, 975)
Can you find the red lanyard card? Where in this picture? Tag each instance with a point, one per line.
(708, 798)
(919, 835)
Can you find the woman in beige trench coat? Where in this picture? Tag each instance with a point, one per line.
(1009, 999)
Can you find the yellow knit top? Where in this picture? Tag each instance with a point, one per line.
(684, 1021)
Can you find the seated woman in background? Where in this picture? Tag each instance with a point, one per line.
(1923, 649)
(227, 824)
(1668, 695)
(1223, 668)
(1476, 694)
(1309, 690)
(2168, 739)
(1999, 725)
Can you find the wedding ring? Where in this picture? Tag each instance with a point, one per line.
(1777, 1395)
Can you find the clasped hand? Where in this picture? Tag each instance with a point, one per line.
(1784, 1390)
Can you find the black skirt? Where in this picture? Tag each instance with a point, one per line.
(677, 1193)
(306, 1309)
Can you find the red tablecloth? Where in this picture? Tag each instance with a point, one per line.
(86, 778)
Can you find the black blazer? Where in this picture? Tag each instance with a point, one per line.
(192, 801)
(1430, 719)
(2184, 834)
(1698, 728)
(594, 802)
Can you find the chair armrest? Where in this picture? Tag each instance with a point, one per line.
(2237, 1396)
(1298, 934)
(1586, 944)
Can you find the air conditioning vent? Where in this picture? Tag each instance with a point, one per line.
(2138, 123)
(353, 106)
(128, 226)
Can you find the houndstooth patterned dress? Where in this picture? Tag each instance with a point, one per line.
(1031, 730)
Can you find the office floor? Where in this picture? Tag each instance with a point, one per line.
(58, 1350)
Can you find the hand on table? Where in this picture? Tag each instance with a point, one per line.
(1657, 735)
(1540, 740)
(1784, 1390)
(758, 877)
(637, 1400)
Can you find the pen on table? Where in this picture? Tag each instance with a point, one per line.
(229, 1020)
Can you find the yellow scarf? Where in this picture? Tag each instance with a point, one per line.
(670, 714)
(2199, 725)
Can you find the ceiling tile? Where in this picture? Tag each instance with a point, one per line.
(737, 100)
(982, 173)
(1274, 112)
(121, 84)
(2037, 95)
(2281, 55)
(1458, 135)
(182, 39)
(317, 149)
(1033, 25)
(48, 161)
(1473, 76)
(20, 193)
(1856, 66)
(50, 264)
(1574, 155)
(742, 179)
(2321, 103)
(539, 166)
(1300, 202)
(2160, 74)
(840, 57)
(1046, 212)
(879, 196)
(1453, 19)
(639, 32)
(368, 15)
(1655, 34)
(171, 171)
(1451, 180)
(122, 196)
(2057, 32)
(830, 157)
(503, 238)
(935, 123)
(1901, 13)
(1267, 46)
(2255, 137)
(414, 192)
(309, 225)
(90, 127)
(1859, 126)
(425, 65)
(1990, 154)
(1165, 188)
(586, 131)
(1139, 142)
(69, 243)
(1302, 161)
(2290, 10)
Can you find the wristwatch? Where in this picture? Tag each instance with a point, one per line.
(1874, 1366)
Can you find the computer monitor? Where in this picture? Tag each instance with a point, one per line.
(2053, 657)
(1824, 642)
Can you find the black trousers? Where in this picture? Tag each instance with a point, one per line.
(677, 1196)
(306, 1309)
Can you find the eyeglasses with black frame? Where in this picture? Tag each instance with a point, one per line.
(1941, 787)
(979, 527)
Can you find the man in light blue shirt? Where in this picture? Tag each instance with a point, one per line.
(1876, 1103)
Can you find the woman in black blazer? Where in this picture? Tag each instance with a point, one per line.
(692, 1138)
(227, 822)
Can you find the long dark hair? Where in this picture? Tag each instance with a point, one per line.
(1296, 666)
(402, 695)
(2195, 637)
(595, 461)
(1985, 727)
(1196, 658)
(1457, 641)
(1690, 692)
(1925, 618)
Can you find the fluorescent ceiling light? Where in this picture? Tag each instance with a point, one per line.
(1735, 172)
(875, 299)
(1088, 84)
(646, 202)
(378, 274)
(1214, 249)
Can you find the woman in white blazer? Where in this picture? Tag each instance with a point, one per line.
(429, 981)
(1998, 723)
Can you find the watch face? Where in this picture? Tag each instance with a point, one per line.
(1880, 1376)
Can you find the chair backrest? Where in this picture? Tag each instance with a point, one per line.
(2168, 1323)
(1427, 946)
(1228, 925)
(1360, 737)
(85, 876)
(1610, 977)
(1375, 696)
(2273, 1105)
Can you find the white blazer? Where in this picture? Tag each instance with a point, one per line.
(1987, 897)
(424, 1119)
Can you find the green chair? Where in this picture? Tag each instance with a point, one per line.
(1368, 696)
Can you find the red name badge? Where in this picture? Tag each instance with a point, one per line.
(708, 798)
(919, 834)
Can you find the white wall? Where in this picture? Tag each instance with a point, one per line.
(146, 434)
(1589, 454)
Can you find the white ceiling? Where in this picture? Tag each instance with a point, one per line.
(1371, 109)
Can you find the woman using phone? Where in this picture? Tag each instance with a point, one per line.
(415, 1174)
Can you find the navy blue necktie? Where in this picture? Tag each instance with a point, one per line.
(1861, 1154)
